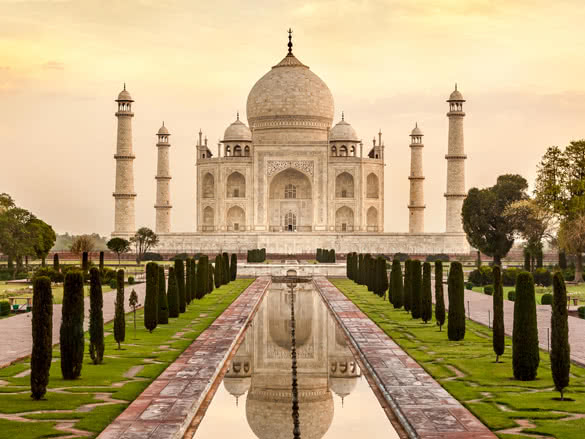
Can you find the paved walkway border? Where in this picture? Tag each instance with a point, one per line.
(166, 408)
(425, 409)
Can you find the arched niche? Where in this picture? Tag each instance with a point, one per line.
(344, 219)
(372, 186)
(236, 185)
(208, 218)
(372, 219)
(208, 186)
(290, 193)
(236, 219)
(344, 185)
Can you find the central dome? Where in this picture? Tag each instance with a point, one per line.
(290, 96)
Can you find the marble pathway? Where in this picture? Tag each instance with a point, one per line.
(426, 410)
(165, 409)
(19, 342)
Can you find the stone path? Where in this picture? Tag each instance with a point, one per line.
(425, 409)
(19, 342)
(165, 409)
(478, 307)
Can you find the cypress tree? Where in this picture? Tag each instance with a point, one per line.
(562, 260)
(173, 294)
(202, 276)
(348, 266)
(361, 270)
(151, 299)
(120, 313)
(560, 353)
(180, 277)
(225, 275)
(427, 295)
(96, 317)
(42, 336)
(193, 280)
(211, 275)
(407, 286)
(525, 354)
(333, 256)
(189, 295)
(527, 260)
(234, 267)
(383, 276)
(416, 291)
(163, 305)
(56, 262)
(396, 286)
(85, 262)
(499, 340)
(439, 296)
(72, 342)
(101, 261)
(368, 271)
(455, 289)
(218, 271)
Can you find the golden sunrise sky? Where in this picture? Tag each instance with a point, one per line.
(389, 63)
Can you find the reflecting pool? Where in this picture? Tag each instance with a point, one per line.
(255, 399)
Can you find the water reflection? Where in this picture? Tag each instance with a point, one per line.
(260, 374)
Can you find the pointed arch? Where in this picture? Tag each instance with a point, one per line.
(236, 185)
(372, 186)
(208, 186)
(344, 185)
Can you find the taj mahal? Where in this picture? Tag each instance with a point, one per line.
(292, 180)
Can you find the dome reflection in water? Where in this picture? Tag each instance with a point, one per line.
(255, 400)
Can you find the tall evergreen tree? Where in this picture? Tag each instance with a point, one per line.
(416, 292)
(234, 267)
(211, 275)
(163, 304)
(42, 337)
(101, 261)
(71, 340)
(56, 266)
(193, 280)
(439, 296)
(180, 275)
(173, 294)
(455, 287)
(361, 270)
(407, 286)
(348, 265)
(382, 276)
(498, 336)
(151, 298)
(525, 354)
(560, 353)
(225, 275)
(397, 286)
(368, 277)
(427, 295)
(189, 295)
(218, 271)
(85, 262)
(120, 313)
(96, 317)
(202, 276)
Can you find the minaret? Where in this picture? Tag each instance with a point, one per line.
(124, 216)
(455, 163)
(163, 180)
(416, 207)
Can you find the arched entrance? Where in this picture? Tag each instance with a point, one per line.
(236, 219)
(372, 219)
(290, 203)
(344, 219)
(208, 219)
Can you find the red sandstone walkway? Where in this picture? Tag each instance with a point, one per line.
(422, 405)
(479, 307)
(165, 409)
(17, 331)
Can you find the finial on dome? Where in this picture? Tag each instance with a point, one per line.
(124, 86)
(416, 124)
(342, 116)
(290, 45)
(237, 115)
(163, 123)
(455, 86)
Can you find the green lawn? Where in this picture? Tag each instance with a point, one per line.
(113, 380)
(487, 388)
(578, 290)
(23, 291)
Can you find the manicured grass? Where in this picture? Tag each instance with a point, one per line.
(152, 352)
(23, 291)
(578, 290)
(487, 389)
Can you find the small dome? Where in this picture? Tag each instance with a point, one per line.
(237, 386)
(125, 96)
(343, 132)
(163, 130)
(416, 131)
(343, 386)
(456, 96)
(237, 131)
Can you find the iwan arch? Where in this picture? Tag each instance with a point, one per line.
(292, 180)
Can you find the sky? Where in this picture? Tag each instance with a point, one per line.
(388, 63)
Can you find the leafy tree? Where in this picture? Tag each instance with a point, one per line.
(96, 317)
(6, 202)
(42, 336)
(180, 275)
(133, 302)
(484, 222)
(56, 266)
(416, 292)
(560, 353)
(71, 340)
(218, 271)
(525, 354)
(396, 287)
(151, 298)
(173, 294)
(143, 240)
(163, 306)
(455, 289)
(427, 295)
(571, 237)
(498, 336)
(120, 313)
(82, 243)
(202, 276)
(17, 237)
(119, 246)
(439, 296)
(44, 238)
(234, 267)
(407, 286)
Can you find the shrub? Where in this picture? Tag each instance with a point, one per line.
(42, 337)
(396, 287)
(163, 306)
(113, 284)
(416, 285)
(96, 317)
(512, 295)
(542, 277)
(234, 267)
(180, 257)
(202, 277)
(56, 262)
(107, 275)
(5, 308)
(468, 286)
(402, 257)
(498, 336)
(525, 354)
(152, 256)
(547, 299)
(151, 299)
(50, 272)
(180, 275)
(481, 276)
(456, 320)
(119, 313)
(438, 257)
(131, 280)
(581, 312)
(71, 340)
(509, 276)
(560, 353)
(407, 286)
(257, 255)
(489, 290)
(439, 296)
(427, 296)
(173, 294)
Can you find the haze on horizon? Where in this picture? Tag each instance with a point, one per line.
(389, 64)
